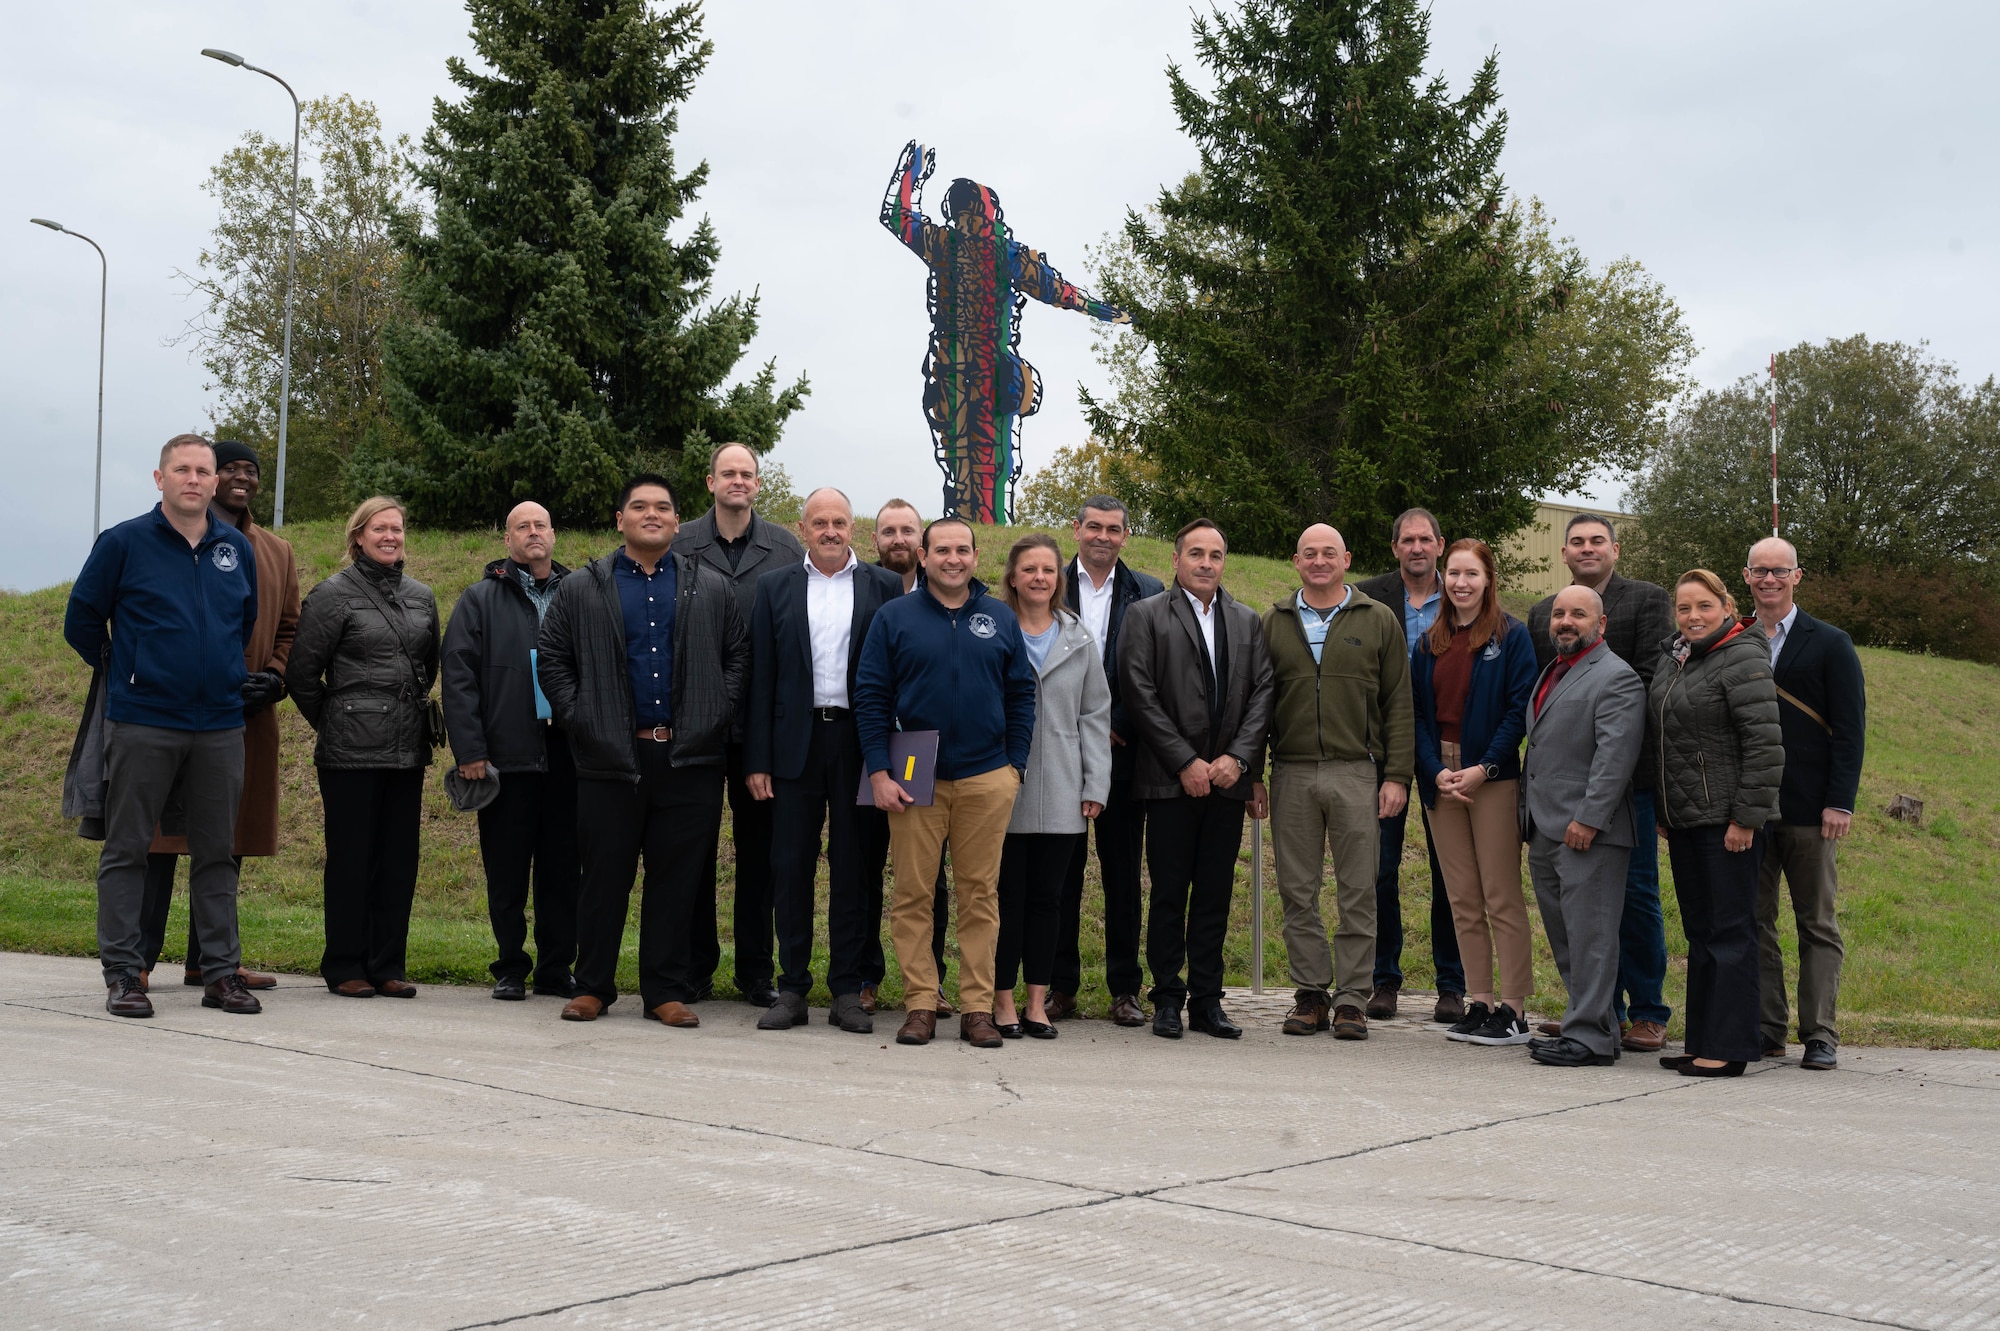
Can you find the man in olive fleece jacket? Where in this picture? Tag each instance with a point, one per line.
(1342, 711)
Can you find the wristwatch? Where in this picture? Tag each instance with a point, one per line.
(1492, 771)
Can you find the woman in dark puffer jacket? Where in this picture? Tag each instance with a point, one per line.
(1714, 715)
(361, 672)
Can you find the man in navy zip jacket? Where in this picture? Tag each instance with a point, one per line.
(173, 594)
(948, 658)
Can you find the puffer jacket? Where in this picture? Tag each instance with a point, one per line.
(352, 681)
(1713, 714)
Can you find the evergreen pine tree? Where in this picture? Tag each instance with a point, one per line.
(1332, 302)
(562, 338)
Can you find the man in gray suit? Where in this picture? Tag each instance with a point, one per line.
(1585, 725)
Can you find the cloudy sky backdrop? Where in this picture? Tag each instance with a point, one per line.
(1790, 171)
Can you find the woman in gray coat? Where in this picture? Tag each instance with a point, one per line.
(361, 672)
(1066, 784)
(1714, 714)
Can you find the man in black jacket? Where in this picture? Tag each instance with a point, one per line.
(804, 755)
(501, 721)
(645, 660)
(731, 539)
(1823, 714)
(1100, 588)
(1639, 617)
(1413, 590)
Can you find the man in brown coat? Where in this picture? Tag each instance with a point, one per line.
(264, 656)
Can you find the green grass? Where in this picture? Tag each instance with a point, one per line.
(1919, 908)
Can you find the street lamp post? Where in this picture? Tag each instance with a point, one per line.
(103, 290)
(291, 263)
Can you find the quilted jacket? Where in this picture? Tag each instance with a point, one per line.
(1713, 714)
(361, 679)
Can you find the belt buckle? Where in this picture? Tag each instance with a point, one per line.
(655, 736)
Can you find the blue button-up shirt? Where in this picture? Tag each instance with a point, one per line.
(647, 602)
(1417, 619)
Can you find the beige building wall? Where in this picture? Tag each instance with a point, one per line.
(1540, 546)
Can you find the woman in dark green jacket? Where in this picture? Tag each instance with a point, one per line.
(1714, 717)
(361, 672)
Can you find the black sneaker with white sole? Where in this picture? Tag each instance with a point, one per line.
(1505, 1026)
(1476, 1016)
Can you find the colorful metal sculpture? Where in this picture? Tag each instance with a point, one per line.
(974, 382)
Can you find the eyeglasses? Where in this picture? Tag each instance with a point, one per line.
(1760, 574)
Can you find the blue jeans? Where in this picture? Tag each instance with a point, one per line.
(1642, 934)
(1444, 937)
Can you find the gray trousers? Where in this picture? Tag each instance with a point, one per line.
(141, 766)
(1581, 895)
(1317, 807)
(1805, 859)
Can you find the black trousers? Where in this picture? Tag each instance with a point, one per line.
(371, 870)
(527, 838)
(670, 817)
(873, 964)
(1121, 841)
(750, 831)
(1717, 890)
(1191, 848)
(822, 796)
(1033, 870)
(158, 903)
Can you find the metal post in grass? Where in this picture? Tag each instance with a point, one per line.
(1256, 905)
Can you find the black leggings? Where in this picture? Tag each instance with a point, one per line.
(1033, 867)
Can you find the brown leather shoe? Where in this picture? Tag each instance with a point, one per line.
(1450, 1008)
(354, 989)
(126, 997)
(1550, 1028)
(1382, 1003)
(396, 989)
(977, 1029)
(1644, 1037)
(231, 995)
(868, 998)
(1309, 1013)
(1125, 1011)
(584, 1007)
(918, 1028)
(944, 1007)
(1061, 1006)
(251, 979)
(671, 1013)
(145, 981)
(1348, 1023)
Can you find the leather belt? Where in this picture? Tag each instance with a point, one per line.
(831, 713)
(658, 734)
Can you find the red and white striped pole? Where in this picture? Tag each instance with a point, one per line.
(1774, 444)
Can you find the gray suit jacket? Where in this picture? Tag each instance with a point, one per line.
(1583, 749)
(1070, 761)
(1161, 677)
(771, 547)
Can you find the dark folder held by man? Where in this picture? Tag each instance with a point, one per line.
(912, 764)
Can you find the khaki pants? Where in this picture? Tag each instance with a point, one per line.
(1479, 848)
(1317, 807)
(1805, 860)
(973, 812)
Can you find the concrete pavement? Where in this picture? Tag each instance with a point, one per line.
(455, 1162)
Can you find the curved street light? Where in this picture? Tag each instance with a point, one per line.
(103, 289)
(291, 264)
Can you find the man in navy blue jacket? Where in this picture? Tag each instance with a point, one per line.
(172, 595)
(948, 658)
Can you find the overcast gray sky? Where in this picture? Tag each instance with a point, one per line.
(1790, 171)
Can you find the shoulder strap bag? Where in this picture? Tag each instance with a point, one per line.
(432, 708)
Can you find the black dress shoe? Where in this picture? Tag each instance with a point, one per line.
(565, 988)
(762, 994)
(1819, 1056)
(1210, 1019)
(1037, 1030)
(1009, 1030)
(703, 991)
(1675, 1062)
(510, 989)
(1564, 1052)
(1694, 1069)
(126, 997)
(1166, 1021)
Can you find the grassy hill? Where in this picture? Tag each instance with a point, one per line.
(1919, 906)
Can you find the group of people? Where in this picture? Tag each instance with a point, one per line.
(598, 720)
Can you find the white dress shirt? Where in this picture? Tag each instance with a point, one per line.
(1205, 618)
(1094, 603)
(830, 620)
(1780, 633)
